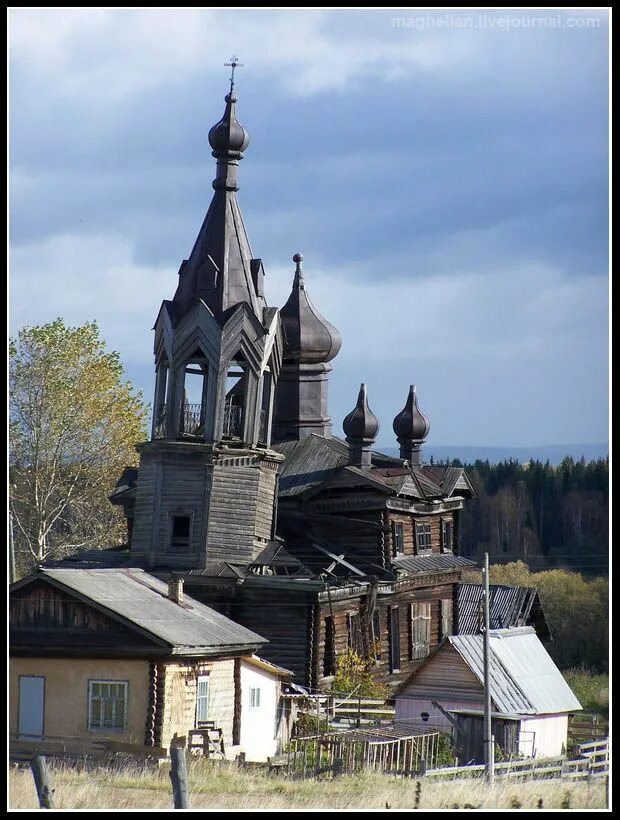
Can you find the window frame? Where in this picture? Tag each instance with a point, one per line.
(180, 514)
(394, 633)
(329, 647)
(398, 535)
(423, 537)
(89, 704)
(201, 698)
(254, 697)
(420, 612)
(447, 523)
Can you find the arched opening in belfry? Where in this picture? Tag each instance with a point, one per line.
(194, 396)
(265, 406)
(161, 399)
(235, 395)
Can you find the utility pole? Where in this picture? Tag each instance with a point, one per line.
(489, 746)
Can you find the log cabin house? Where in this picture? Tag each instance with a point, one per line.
(117, 654)
(318, 543)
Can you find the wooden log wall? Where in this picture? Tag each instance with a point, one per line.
(340, 610)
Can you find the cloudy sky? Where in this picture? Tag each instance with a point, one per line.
(445, 176)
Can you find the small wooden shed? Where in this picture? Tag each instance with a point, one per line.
(530, 698)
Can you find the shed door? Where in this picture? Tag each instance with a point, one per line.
(31, 704)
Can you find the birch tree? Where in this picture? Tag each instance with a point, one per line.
(74, 423)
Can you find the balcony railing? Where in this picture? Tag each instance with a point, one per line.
(233, 420)
(192, 421)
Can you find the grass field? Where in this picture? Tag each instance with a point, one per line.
(227, 788)
(591, 690)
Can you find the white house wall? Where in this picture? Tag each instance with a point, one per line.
(258, 724)
(550, 735)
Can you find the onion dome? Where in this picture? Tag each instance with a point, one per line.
(361, 425)
(228, 137)
(411, 424)
(310, 339)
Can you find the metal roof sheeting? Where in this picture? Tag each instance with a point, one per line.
(524, 679)
(431, 563)
(509, 606)
(143, 600)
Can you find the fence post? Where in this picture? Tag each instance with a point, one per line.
(422, 771)
(338, 766)
(359, 712)
(178, 776)
(42, 782)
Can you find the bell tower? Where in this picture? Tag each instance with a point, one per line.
(207, 478)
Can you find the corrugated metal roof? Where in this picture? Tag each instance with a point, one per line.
(143, 600)
(509, 606)
(524, 679)
(431, 563)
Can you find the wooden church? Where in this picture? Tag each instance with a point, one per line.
(316, 542)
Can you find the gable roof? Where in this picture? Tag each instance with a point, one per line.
(524, 678)
(141, 600)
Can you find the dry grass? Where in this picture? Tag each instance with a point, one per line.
(227, 788)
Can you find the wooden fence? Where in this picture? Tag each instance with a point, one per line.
(593, 763)
(586, 726)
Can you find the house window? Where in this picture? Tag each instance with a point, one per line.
(107, 705)
(180, 533)
(394, 640)
(254, 698)
(447, 617)
(423, 537)
(398, 537)
(376, 634)
(446, 535)
(202, 699)
(420, 630)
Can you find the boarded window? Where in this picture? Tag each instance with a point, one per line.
(376, 634)
(446, 535)
(420, 630)
(180, 533)
(254, 698)
(354, 632)
(394, 640)
(447, 617)
(423, 537)
(107, 705)
(202, 699)
(329, 660)
(398, 538)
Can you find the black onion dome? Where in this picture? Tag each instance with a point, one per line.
(228, 136)
(361, 424)
(411, 424)
(309, 338)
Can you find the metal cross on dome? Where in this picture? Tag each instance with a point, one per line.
(234, 63)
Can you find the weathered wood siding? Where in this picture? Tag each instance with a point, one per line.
(44, 617)
(340, 610)
(408, 522)
(177, 698)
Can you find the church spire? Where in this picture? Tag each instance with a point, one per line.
(221, 269)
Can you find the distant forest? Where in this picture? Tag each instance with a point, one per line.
(543, 515)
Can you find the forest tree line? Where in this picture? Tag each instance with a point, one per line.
(543, 515)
